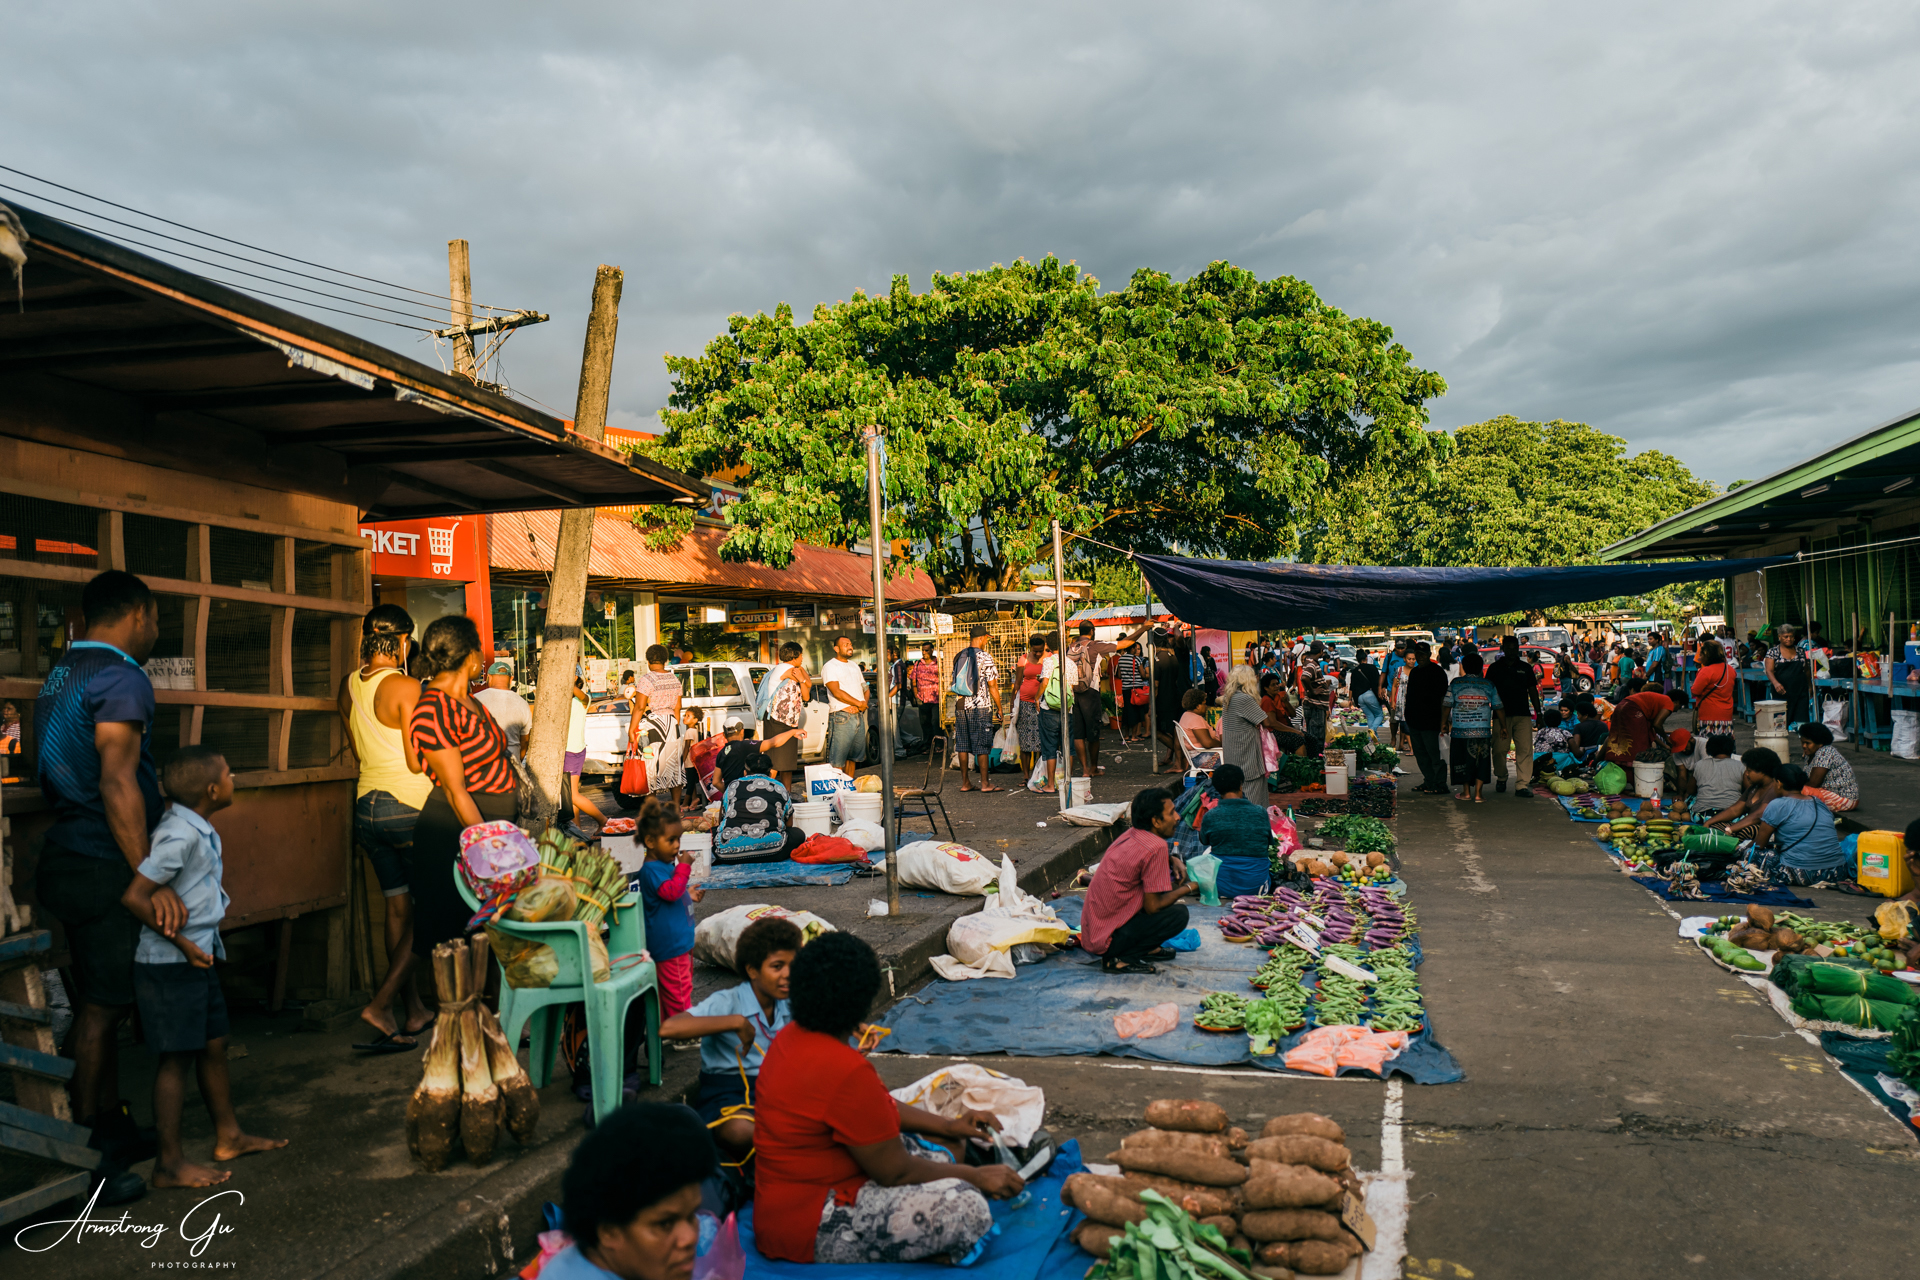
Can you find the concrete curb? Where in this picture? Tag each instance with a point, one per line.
(488, 1228)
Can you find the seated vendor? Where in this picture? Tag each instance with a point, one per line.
(1796, 841)
(631, 1194)
(736, 1025)
(1759, 784)
(1591, 731)
(1552, 735)
(1193, 723)
(1133, 904)
(1830, 777)
(1717, 776)
(1238, 832)
(754, 811)
(839, 1179)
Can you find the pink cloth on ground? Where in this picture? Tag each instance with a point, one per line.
(1145, 1024)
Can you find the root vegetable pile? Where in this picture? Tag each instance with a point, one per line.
(472, 1082)
(1282, 1209)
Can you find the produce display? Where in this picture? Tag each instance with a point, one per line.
(1222, 1011)
(1356, 832)
(1236, 1210)
(472, 1082)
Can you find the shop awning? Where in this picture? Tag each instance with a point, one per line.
(1239, 595)
(166, 366)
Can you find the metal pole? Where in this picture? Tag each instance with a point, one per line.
(1855, 682)
(1065, 788)
(888, 822)
(1152, 652)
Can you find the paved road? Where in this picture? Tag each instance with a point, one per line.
(1630, 1110)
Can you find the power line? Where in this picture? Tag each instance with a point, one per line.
(438, 297)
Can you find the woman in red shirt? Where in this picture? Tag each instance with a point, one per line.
(465, 751)
(1713, 690)
(835, 1177)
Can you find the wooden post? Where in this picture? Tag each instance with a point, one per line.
(1855, 682)
(567, 592)
(1153, 690)
(460, 288)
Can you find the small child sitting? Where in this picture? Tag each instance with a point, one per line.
(1552, 735)
(182, 1008)
(736, 1026)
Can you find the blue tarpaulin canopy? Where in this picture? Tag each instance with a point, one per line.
(1242, 595)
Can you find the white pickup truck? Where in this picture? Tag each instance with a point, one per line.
(718, 691)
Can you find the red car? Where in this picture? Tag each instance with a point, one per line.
(1540, 654)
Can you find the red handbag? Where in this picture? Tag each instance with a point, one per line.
(1137, 697)
(633, 773)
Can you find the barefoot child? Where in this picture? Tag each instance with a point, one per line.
(669, 902)
(736, 1026)
(181, 1006)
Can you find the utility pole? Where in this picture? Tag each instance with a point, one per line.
(567, 593)
(1065, 789)
(876, 502)
(1153, 682)
(460, 290)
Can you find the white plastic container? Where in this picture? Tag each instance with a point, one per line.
(815, 817)
(860, 806)
(1337, 779)
(1777, 743)
(1648, 778)
(700, 845)
(629, 852)
(1770, 719)
(1079, 791)
(1353, 764)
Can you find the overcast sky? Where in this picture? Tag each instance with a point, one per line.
(1690, 225)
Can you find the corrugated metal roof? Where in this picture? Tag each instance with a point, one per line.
(523, 542)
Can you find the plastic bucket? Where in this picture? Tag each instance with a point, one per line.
(1769, 719)
(1079, 792)
(815, 817)
(1353, 764)
(1647, 778)
(1336, 779)
(1776, 743)
(861, 806)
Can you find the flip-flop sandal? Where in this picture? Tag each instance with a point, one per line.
(1853, 887)
(387, 1043)
(1162, 953)
(987, 791)
(1127, 967)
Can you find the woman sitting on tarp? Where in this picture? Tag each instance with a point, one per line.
(843, 1174)
(753, 817)
(1638, 726)
(1796, 843)
(1238, 832)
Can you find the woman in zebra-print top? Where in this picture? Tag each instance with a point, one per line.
(465, 751)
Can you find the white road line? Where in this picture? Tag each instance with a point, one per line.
(1387, 1195)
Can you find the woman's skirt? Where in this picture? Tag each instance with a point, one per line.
(440, 914)
(1029, 725)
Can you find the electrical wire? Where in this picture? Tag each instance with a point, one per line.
(438, 297)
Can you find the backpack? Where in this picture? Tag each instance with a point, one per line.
(1196, 669)
(966, 673)
(1050, 681)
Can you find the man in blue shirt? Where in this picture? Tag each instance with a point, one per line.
(91, 732)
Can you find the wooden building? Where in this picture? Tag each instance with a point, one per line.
(227, 452)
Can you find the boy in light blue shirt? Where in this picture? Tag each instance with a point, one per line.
(182, 1008)
(736, 1026)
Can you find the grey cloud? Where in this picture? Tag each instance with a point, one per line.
(1683, 226)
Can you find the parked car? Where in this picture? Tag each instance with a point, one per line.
(718, 691)
(1582, 671)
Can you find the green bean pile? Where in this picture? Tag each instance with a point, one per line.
(1340, 1001)
(1396, 994)
(1223, 1011)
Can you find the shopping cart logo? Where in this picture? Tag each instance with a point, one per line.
(440, 548)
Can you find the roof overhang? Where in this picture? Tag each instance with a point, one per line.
(1853, 481)
(187, 364)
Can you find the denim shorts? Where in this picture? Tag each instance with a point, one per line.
(384, 828)
(846, 737)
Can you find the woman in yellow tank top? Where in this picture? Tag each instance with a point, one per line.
(376, 701)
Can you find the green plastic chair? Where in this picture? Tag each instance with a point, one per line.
(606, 1002)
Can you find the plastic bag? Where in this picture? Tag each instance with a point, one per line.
(979, 942)
(1906, 735)
(1018, 1106)
(725, 1259)
(548, 898)
(1834, 716)
(1610, 779)
(823, 780)
(1203, 871)
(716, 937)
(863, 834)
(1283, 828)
(523, 963)
(945, 866)
(1145, 1024)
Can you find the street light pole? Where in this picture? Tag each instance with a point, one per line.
(1065, 789)
(882, 671)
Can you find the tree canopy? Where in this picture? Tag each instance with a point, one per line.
(1505, 492)
(1203, 416)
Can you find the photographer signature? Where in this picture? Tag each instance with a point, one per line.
(86, 1224)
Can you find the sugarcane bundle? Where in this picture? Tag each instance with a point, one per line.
(479, 1096)
(519, 1104)
(433, 1112)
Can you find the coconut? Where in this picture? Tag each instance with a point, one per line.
(1762, 917)
(1376, 859)
(1338, 859)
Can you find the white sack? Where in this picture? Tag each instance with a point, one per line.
(716, 938)
(1020, 1108)
(943, 865)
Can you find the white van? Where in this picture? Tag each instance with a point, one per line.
(718, 691)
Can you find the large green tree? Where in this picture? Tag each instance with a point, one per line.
(1505, 492)
(1205, 415)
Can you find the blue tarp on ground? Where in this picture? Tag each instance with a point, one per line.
(1032, 1242)
(1569, 804)
(1065, 1006)
(1775, 897)
(1865, 1060)
(774, 875)
(1244, 595)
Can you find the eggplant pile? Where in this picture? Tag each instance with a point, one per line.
(1390, 919)
(1263, 918)
(1331, 905)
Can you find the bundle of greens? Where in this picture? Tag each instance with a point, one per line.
(1169, 1245)
(1856, 1011)
(1353, 831)
(1300, 769)
(1903, 1054)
